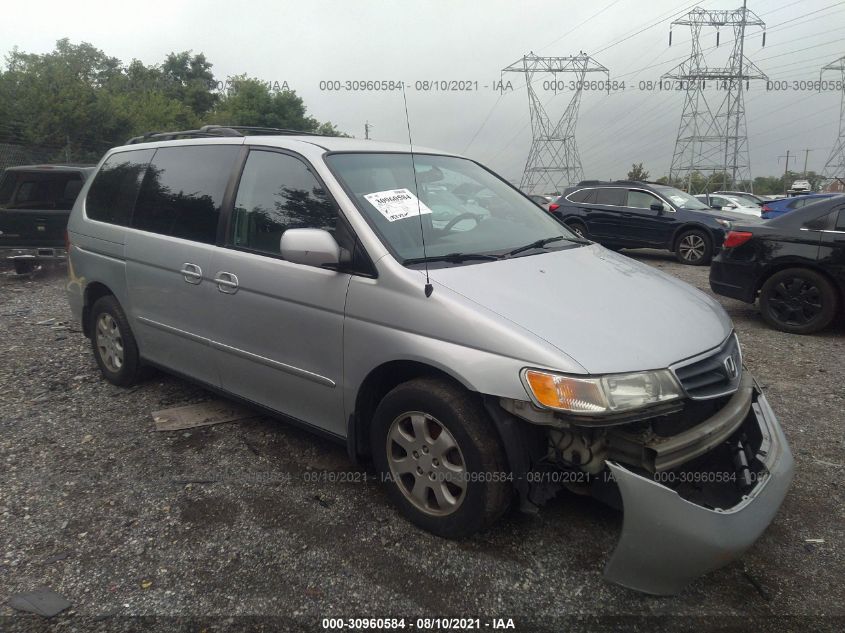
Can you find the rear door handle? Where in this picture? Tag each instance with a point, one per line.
(627, 215)
(191, 273)
(226, 282)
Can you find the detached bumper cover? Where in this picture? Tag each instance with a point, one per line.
(668, 541)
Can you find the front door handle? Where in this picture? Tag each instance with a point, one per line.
(226, 282)
(627, 215)
(191, 273)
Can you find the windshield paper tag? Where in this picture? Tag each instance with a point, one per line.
(396, 204)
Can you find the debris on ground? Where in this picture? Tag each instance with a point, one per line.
(43, 601)
(200, 414)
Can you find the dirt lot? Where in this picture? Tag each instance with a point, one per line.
(138, 528)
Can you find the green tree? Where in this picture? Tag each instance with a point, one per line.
(637, 172)
(252, 102)
(189, 79)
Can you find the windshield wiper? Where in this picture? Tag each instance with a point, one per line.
(453, 258)
(543, 242)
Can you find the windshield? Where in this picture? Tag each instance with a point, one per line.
(463, 208)
(682, 199)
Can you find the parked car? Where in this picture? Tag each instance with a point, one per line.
(724, 202)
(634, 214)
(794, 265)
(470, 351)
(801, 186)
(744, 195)
(543, 200)
(35, 202)
(777, 208)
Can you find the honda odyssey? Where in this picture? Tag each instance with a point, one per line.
(418, 308)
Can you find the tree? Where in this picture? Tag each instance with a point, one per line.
(189, 80)
(76, 101)
(637, 172)
(251, 102)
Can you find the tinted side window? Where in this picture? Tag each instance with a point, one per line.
(277, 192)
(183, 190)
(579, 196)
(115, 188)
(611, 195)
(641, 199)
(7, 187)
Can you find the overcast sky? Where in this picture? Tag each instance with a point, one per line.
(305, 42)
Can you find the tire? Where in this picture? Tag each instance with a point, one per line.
(694, 247)
(427, 415)
(798, 300)
(114, 345)
(24, 266)
(579, 228)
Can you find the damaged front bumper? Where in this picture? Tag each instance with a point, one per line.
(668, 540)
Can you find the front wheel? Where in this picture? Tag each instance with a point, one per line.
(579, 228)
(693, 247)
(798, 300)
(442, 459)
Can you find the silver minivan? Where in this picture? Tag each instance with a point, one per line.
(418, 308)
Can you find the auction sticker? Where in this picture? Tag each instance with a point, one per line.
(397, 204)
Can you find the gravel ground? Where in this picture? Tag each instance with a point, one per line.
(223, 527)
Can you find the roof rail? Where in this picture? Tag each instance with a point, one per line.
(211, 131)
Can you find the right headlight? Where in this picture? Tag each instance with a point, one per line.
(599, 395)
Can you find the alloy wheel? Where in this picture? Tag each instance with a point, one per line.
(109, 342)
(426, 463)
(795, 301)
(692, 247)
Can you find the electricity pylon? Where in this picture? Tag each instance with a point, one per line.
(712, 138)
(834, 168)
(553, 161)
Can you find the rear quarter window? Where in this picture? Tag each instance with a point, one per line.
(112, 194)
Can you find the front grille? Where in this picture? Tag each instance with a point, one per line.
(712, 374)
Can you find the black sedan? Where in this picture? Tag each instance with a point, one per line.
(795, 264)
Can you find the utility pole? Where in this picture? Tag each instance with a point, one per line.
(785, 169)
(806, 156)
(712, 137)
(553, 160)
(367, 127)
(834, 168)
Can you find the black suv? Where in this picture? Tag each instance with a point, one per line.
(634, 214)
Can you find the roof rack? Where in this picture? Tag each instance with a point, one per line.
(211, 131)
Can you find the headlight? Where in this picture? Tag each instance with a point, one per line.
(613, 393)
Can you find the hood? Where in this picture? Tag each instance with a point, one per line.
(608, 312)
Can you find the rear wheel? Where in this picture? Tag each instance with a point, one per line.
(442, 459)
(115, 349)
(24, 266)
(693, 247)
(798, 300)
(579, 228)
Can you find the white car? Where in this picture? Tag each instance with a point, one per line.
(730, 203)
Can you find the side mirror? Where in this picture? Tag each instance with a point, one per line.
(656, 206)
(311, 247)
(729, 206)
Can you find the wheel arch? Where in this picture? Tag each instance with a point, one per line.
(775, 268)
(93, 292)
(378, 382)
(708, 232)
